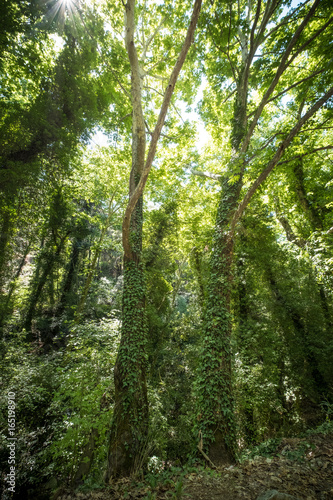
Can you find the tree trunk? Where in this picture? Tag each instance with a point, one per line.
(216, 418)
(129, 429)
(130, 421)
(6, 307)
(39, 283)
(216, 403)
(6, 232)
(70, 276)
(312, 382)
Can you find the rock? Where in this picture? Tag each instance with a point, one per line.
(275, 495)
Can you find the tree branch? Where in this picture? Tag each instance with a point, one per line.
(157, 131)
(282, 66)
(305, 154)
(151, 38)
(276, 158)
(315, 73)
(291, 236)
(209, 175)
(138, 125)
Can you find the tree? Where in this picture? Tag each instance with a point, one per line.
(242, 34)
(130, 422)
(53, 102)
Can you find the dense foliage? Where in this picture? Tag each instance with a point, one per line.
(191, 320)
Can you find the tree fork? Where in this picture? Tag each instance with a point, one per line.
(129, 430)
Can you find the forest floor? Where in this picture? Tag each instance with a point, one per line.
(301, 467)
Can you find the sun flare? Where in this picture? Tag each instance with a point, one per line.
(62, 9)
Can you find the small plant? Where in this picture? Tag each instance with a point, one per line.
(150, 496)
(327, 408)
(179, 489)
(152, 480)
(300, 452)
(179, 486)
(266, 449)
(155, 464)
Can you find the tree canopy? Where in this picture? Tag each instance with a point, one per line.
(166, 213)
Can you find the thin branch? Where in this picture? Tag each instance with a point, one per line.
(316, 128)
(228, 97)
(280, 70)
(166, 58)
(151, 38)
(160, 93)
(157, 77)
(226, 53)
(209, 175)
(162, 135)
(305, 154)
(254, 26)
(305, 44)
(124, 117)
(118, 81)
(315, 73)
(291, 236)
(285, 20)
(276, 158)
(158, 128)
(246, 162)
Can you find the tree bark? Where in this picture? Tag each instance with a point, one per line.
(129, 429)
(39, 283)
(214, 386)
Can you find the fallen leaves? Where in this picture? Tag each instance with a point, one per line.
(302, 468)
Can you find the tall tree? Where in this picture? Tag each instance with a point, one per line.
(130, 423)
(256, 47)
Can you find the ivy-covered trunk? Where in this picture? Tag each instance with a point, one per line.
(215, 420)
(129, 429)
(47, 262)
(216, 406)
(5, 236)
(130, 421)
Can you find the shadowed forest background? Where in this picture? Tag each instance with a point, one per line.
(166, 218)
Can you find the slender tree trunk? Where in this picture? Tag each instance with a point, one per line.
(197, 257)
(5, 308)
(129, 429)
(93, 263)
(312, 382)
(310, 210)
(71, 272)
(6, 232)
(250, 426)
(44, 269)
(216, 404)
